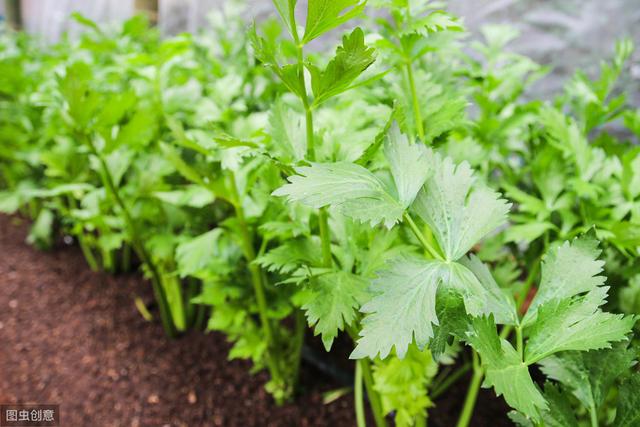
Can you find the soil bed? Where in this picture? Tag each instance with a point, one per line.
(72, 337)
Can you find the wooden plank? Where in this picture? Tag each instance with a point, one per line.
(13, 12)
(149, 8)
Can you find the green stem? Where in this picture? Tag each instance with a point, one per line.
(156, 280)
(84, 247)
(300, 328)
(323, 219)
(374, 397)
(311, 152)
(421, 238)
(522, 297)
(594, 415)
(126, 258)
(416, 103)
(257, 282)
(325, 237)
(359, 396)
(519, 341)
(439, 379)
(88, 254)
(472, 393)
(311, 146)
(450, 380)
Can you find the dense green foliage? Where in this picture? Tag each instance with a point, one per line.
(404, 190)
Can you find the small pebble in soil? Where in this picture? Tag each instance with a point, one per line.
(13, 303)
(192, 398)
(153, 399)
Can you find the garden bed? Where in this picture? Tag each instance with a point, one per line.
(74, 338)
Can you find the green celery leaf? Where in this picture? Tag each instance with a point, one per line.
(358, 193)
(352, 189)
(139, 131)
(75, 87)
(459, 210)
(527, 232)
(575, 323)
(287, 131)
(434, 22)
(519, 419)
(325, 15)
(560, 412)
(567, 270)
(291, 255)
(265, 51)
(453, 321)
(285, 9)
(333, 302)
(404, 307)
(41, 232)
(505, 371)
(352, 58)
(188, 195)
(499, 302)
(628, 411)
(410, 164)
(589, 374)
(206, 255)
(403, 385)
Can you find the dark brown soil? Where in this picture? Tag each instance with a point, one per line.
(72, 337)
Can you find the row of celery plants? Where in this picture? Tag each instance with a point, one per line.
(256, 181)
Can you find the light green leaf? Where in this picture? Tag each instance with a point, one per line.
(358, 193)
(352, 189)
(291, 255)
(629, 296)
(194, 255)
(519, 419)
(265, 51)
(404, 308)
(499, 302)
(207, 255)
(352, 58)
(41, 232)
(589, 374)
(434, 22)
(403, 385)
(10, 201)
(285, 9)
(575, 324)
(560, 412)
(505, 371)
(628, 411)
(452, 321)
(333, 302)
(410, 164)
(287, 133)
(527, 232)
(139, 131)
(325, 15)
(567, 270)
(73, 188)
(459, 210)
(189, 195)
